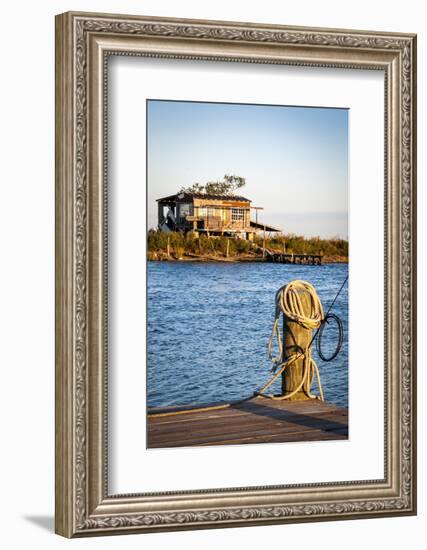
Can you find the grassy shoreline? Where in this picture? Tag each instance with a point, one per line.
(179, 247)
(239, 259)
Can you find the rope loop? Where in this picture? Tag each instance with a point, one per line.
(327, 320)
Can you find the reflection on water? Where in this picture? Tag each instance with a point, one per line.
(209, 325)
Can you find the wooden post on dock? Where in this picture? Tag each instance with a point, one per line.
(295, 339)
(168, 249)
(228, 248)
(263, 243)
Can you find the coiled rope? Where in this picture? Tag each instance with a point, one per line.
(289, 303)
(326, 321)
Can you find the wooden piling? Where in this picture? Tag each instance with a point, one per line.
(263, 243)
(295, 340)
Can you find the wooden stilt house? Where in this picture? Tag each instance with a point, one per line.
(213, 215)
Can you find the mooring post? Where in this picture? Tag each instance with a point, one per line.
(263, 243)
(296, 338)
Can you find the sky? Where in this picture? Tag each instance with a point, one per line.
(294, 159)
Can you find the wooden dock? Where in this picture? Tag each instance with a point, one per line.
(304, 259)
(258, 420)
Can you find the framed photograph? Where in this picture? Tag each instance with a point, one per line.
(235, 274)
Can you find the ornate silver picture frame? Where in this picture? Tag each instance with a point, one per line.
(84, 42)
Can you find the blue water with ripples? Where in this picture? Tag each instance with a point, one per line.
(209, 326)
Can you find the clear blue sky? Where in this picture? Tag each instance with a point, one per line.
(294, 159)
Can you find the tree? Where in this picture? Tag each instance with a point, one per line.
(227, 186)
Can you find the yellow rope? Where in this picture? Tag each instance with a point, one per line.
(197, 408)
(188, 411)
(288, 302)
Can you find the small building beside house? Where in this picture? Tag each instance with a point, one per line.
(213, 215)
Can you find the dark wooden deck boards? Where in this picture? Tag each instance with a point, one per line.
(259, 420)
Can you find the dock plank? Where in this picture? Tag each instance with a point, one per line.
(258, 420)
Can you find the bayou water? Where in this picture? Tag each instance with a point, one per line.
(209, 326)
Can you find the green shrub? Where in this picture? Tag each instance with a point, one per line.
(243, 246)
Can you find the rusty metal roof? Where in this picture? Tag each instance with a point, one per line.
(176, 196)
(263, 226)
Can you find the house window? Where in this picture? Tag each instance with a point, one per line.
(204, 211)
(237, 214)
